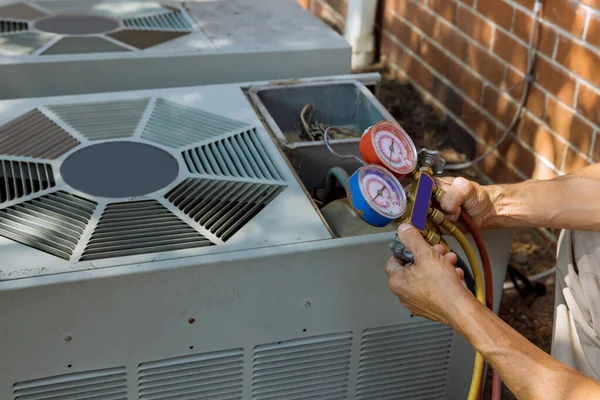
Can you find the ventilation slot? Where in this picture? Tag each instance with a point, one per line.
(145, 39)
(174, 125)
(18, 179)
(127, 229)
(34, 135)
(20, 11)
(241, 155)
(222, 207)
(312, 368)
(174, 21)
(108, 384)
(210, 376)
(52, 223)
(13, 27)
(101, 121)
(77, 45)
(408, 361)
(23, 43)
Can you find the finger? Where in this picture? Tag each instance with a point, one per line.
(441, 249)
(392, 267)
(414, 242)
(452, 258)
(455, 196)
(460, 273)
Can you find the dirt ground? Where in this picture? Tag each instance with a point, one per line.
(529, 313)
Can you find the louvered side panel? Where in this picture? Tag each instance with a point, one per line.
(175, 125)
(311, 368)
(127, 229)
(241, 155)
(18, 179)
(107, 384)
(208, 376)
(408, 361)
(35, 135)
(103, 120)
(52, 223)
(173, 21)
(222, 207)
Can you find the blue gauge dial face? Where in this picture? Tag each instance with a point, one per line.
(383, 192)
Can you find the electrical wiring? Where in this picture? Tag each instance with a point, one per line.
(533, 44)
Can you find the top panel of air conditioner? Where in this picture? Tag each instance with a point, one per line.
(62, 47)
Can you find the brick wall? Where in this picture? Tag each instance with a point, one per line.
(468, 58)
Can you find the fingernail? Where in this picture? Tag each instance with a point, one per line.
(404, 227)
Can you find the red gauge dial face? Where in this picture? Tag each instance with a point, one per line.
(396, 151)
(383, 192)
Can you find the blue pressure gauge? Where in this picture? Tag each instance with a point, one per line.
(376, 195)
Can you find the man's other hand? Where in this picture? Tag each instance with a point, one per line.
(467, 195)
(431, 286)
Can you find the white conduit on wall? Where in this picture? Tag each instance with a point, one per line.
(360, 24)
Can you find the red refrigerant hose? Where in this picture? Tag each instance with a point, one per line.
(489, 289)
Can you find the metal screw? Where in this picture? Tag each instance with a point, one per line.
(68, 338)
(306, 303)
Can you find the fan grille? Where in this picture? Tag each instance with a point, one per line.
(127, 229)
(52, 223)
(13, 27)
(18, 179)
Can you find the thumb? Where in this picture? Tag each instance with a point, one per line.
(412, 239)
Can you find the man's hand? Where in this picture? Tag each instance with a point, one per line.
(467, 195)
(431, 286)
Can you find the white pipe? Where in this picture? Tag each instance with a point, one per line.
(360, 24)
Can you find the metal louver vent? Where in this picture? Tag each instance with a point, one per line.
(311, 368)
(222, 207)
(24, 43)
(145, 39)
(408, 361)
(209, 376)
(241, 155)
(107, 384)
(20, 11)
(52, 223)
(127, 229)
(101, 121)
(90, 44)
(18, 179)
(13, 26)
(174, 125)
(174, 21)
(35, 135)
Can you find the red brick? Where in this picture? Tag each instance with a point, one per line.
(511, 50)
(536, 98)
(518, 155)
(568, 125)
(433, 56)
(339, 6)
(404, 61)
(567, 14)
(464, 80)
(474, 26)
(483, 127)
(588, 103)
(579, 59)
(450, 39)
(592, 3)
(486, 64)
(422, 20)
(499, 106)
(574, 161)
(495, 168)
(401, 31)
(542, 141)
(555, 80)
(497, 11)
(402, 7)
(332, 18)
(417, 71)
(468, 2)
(593, 31)
(445, 8)
(522, 29)
(305, 3)
(526, 3)
(541, 171)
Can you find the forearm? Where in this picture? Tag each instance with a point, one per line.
(528, 372)
(566, 202)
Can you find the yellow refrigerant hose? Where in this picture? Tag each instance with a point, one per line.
(480, 294)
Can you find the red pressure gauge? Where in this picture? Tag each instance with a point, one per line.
(388, 145)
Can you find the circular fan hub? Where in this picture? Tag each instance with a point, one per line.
(119, 169)
(77, 24)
